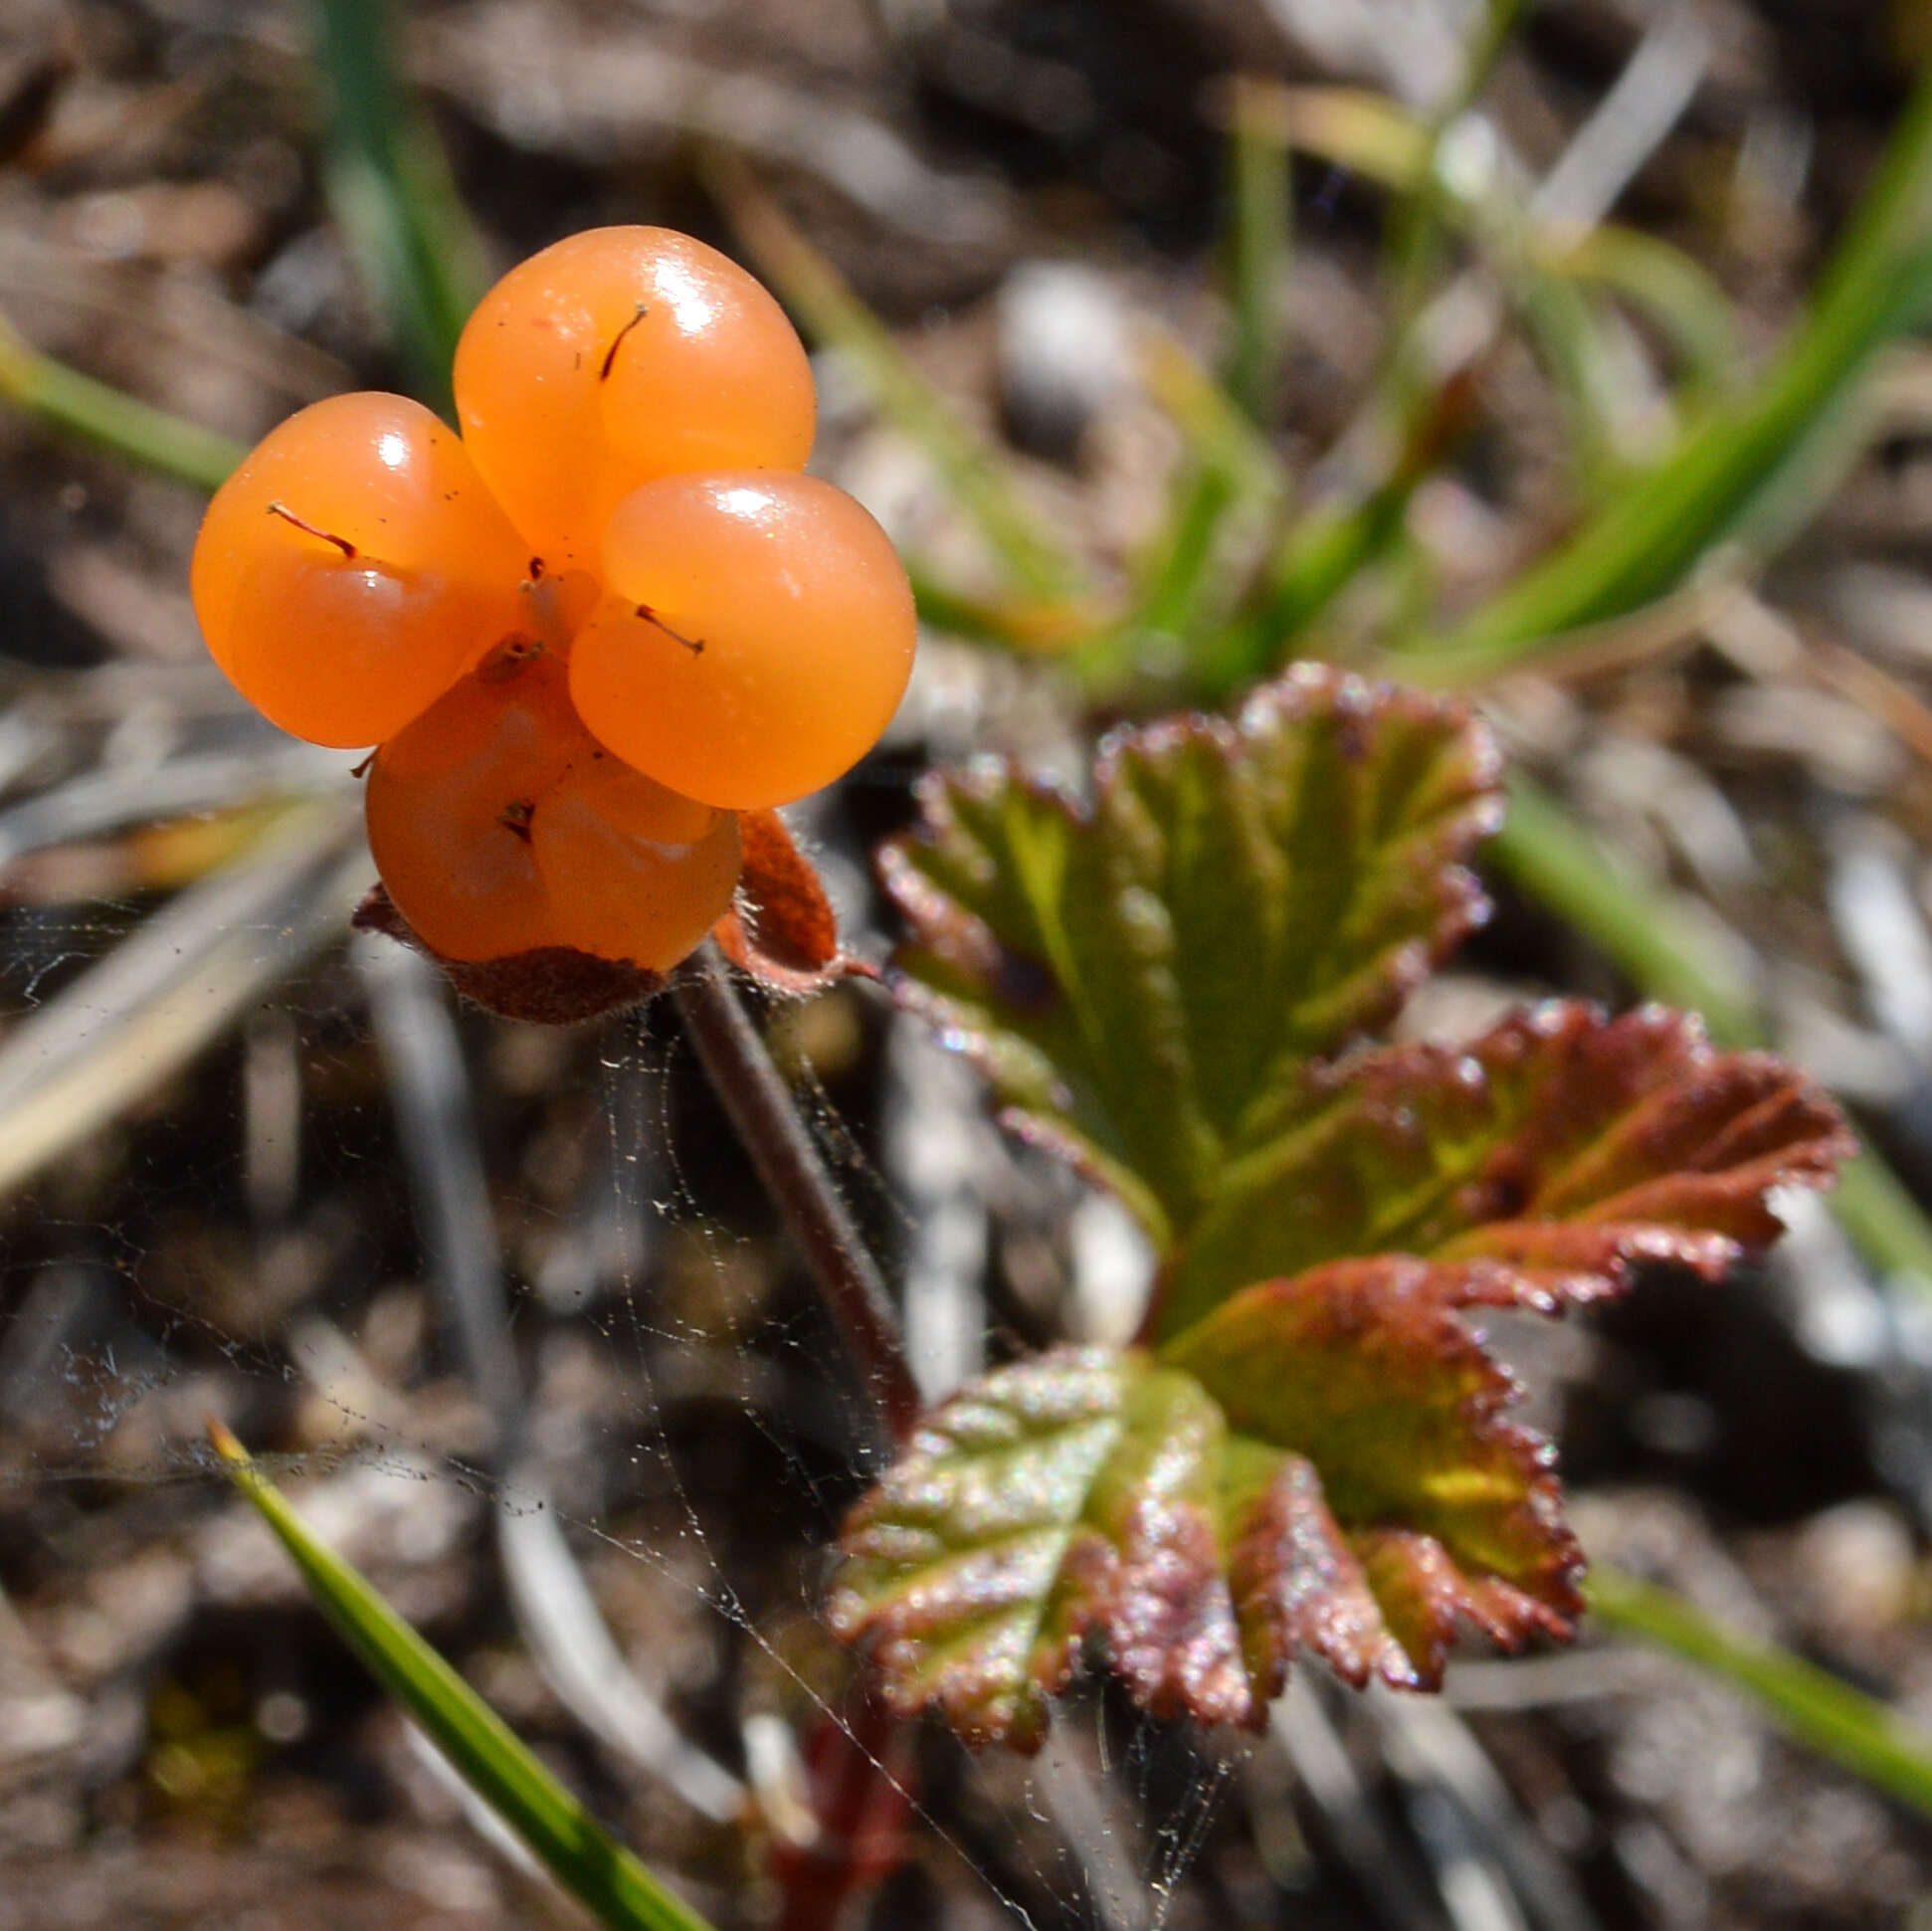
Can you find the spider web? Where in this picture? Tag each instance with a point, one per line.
(507, 1315)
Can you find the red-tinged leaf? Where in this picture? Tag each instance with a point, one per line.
(1534, 1167)
(1084, 1495)
(1142, 977)
(781, 932)
(1363, 1368)
(1298, 1585)
(1075, 1492)
(1428, 1601)
(1302, 1584)
(1169, 988)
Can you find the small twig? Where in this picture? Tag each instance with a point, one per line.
(760, 1108)
(1877, 694)
(549, 1596)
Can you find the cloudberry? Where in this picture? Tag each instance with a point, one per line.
(587, 632)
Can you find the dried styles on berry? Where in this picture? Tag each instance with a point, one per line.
(588, 633)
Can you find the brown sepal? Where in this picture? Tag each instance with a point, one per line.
(781, 930)
(555, 985)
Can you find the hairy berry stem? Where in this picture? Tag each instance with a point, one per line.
(760, 1106)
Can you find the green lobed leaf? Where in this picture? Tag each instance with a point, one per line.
(1322, 1460)
(1144, 977)
(1087, 1495)
(1041, 1503)
(1313, 1452)
(1534, 1166)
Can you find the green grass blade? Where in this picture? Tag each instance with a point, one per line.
(834, 316)
(1808, 1704)
(1322, 552)
(1566, 324)
(1258, 231)
(1026, 626)
(1228, 474)
(1677, 293)
(1415, 235)
(590, 1865)
(1885, 1223)
(137, 431)
(1649, 540)
(1217, 434)
(390, 186)
(1559, 863)
(1187, 547)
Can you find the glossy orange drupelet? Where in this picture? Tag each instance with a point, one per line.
(351, 567)
(588, 631)
(617, 356)
(726, 656)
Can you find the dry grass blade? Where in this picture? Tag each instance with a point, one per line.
(1300, 1728)
(1011, 528)
(559, 83)
(555, 1611)
(189, 972)
(1427, 1741)
(430, 1091)
(100, 802)
(1656, 87)
(1097, 1836)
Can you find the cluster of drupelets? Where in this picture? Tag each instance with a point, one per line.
(588, 632)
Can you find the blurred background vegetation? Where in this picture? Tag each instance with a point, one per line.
(1569, 355)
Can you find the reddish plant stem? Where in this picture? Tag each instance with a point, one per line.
(859, 1776)
(760, 1108)
(858, 1767)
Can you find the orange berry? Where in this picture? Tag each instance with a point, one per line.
(351, 567)
(633, 870)
(755, 641)
(499, 825)
(615, 356)
(449, 804)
